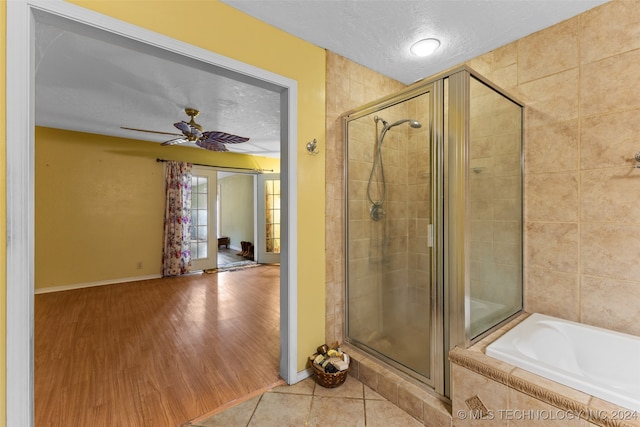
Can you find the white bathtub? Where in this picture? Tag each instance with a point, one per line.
(599, 362)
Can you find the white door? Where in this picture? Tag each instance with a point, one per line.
(268, 208)
(204, 241)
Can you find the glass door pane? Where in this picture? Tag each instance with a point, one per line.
(495, 207)
(268, 250)
(204, 248)
(389, 281)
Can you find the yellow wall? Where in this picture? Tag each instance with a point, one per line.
(100, 204)
(238, 36)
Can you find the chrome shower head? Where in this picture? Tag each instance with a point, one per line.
(413, 123)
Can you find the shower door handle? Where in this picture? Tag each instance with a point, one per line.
(430, 235)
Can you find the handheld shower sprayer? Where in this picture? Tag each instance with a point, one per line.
(375, 211)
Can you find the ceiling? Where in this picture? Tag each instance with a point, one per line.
(378, 33)
(91, 82)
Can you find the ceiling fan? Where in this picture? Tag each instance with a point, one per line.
(192, 132)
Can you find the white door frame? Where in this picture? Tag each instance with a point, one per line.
(20, 178)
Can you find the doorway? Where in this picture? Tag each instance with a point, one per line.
(204, 242)
(21, 21)
(236, 219)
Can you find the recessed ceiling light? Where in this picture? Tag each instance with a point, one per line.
(425, 47)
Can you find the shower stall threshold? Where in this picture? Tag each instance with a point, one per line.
(417, 399)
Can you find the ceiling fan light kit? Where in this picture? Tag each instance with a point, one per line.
(192, 132)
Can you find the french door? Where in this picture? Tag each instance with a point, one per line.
(268, 207)
(204, 241)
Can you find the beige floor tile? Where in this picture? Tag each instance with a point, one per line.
(333, 411)
(303, 387)
(351, 388)
(370, 394)
(307, 404)
(382, 413)
(236, 416)
(281, 409)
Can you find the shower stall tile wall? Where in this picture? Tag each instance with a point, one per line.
(348, 86)
(433, 221)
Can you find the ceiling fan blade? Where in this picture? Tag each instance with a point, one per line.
(150, 131)
(174, 141)
(211, 145)
(223, 137)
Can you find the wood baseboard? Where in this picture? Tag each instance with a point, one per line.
(92, 284)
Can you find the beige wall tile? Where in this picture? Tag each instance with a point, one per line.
(349, 85)
(552, 246)
(552, 293)
(610, 250)
(610, 140)
(550, 99)
(611, 304)
(505, 56)
(599, 408)
(606, 194)
(552, 197)
(388, 387)
(609, 30)
(611, 84)
(551, 148)
(467, 384)
(549, 51)
(410, 399)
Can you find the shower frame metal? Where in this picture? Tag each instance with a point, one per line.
(450, 260)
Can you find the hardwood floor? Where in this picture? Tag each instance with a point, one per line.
(156, 352)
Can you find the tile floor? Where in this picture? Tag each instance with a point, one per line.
(309, 404)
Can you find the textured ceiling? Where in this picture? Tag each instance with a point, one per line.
(378, 34)
(89, 82)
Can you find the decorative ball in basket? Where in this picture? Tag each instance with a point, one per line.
(330, 365)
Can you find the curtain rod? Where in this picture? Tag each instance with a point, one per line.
(222, 167)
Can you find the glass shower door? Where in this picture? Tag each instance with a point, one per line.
(495, 207)
(389, 254)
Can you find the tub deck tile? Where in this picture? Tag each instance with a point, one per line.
(524, 385)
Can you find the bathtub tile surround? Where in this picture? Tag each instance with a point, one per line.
(516, 397)
(582, 129)
(596, 361)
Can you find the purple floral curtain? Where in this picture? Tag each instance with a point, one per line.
(176, 256)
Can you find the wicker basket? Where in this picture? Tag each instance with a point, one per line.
(328, 380)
